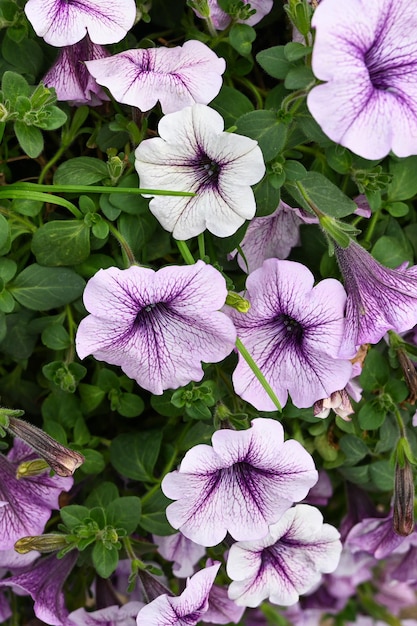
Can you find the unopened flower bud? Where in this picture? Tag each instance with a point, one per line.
(61, 459)
(237, 302)
(410, 374)
(403, 521)
(40, 543)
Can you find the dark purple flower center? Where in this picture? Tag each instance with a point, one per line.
(292, 329)
(379, 74)
(208, 171)
(149, 313)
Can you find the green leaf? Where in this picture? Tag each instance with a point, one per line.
(130, 405)
(61, 242)
(295, 51)
(299, 77)
(162, 404)
(375, 372)
(135, 455)
(54, 118)
(371, 416)
(267, 129)
(14, 85)
(94, 462)
(397, 209)
(26, 56)
(274, 61)
(124, 513)
(392, 252)
(56, 337)
(30, 139)
(102, 495)
(403, 185)
(5, 240)
(267, 197)
(381, 474)
(81, 171)
(91, 396)
(74, 515)
(241, 37)
(231, 104)
(105, 559)
(153, 518)
(354, 448)
(358, 474)
(19, 341)
(44, 288)
(326, 196)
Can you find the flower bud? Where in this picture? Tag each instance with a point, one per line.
(40, 543)
(403, 521)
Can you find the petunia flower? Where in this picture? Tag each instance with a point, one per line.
(193, 153)
(177, 77)
(272, 236)
(286, 563)
(63, 22)
(26, 503)
(157, 326)
(293, 331)
(379, 298)
(366, 52)
(241, 484)
(70, 77)
(109, 616)
(43, 581)
(221, 19)
(185, 610)
(375, 536)
(221, 609)
(182, 551)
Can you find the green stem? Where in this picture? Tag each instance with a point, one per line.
(201, 246)
(258, 374)
(185, 252)
(371, 226)
(89, 189)
(253, 90)
(51, 162)
(124, 245)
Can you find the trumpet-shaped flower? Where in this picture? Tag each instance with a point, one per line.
(293, 331)
(288, 562)
(157, 326)
(366, 52)
(379, 298)
(65, 22)
(221, 19)
(25, 503)
(109, 616)
(193, 153)
(185, 610)
(241, 484)
(182, 551)
(71, 79)
(177, 77)
(43, 581)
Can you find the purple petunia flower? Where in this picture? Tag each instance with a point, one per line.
(379, 298)
(185, 610)
(71, 79)
(43, 581)
(182, 551)
(177, 77)
(293, 331)
(157, 326)
(241, 485)
(63, 22)
(366, 52)
(375, 536)
(272, 236)
(110, 616)
(221, 19)
(193, 153)
(288, 562)
(26, 503)
(221, 609)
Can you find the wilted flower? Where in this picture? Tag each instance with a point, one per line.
(240, 485)
(43, 581)
(366, 52)
(70, 77)
(63, 23)
(293, 331)
(26, 503)
(177, 77)
(272, 236)
(157, 326)
(379, 298)
(288, 562)
(221, 19)
(188, 608)
(193, 153)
